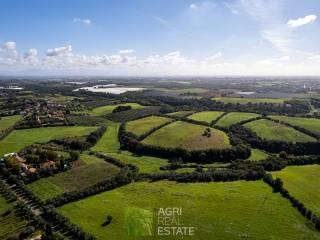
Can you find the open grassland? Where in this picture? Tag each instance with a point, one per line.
(188, 136)
(250, 100)
(110, 145)
(235, 117)
(206, 116)
(19, 139)
(311, 124)
(9, 223)
(180, 113)
(303, 183)
(143, 125)
(257, 155)
(230, 210)
(6, 122)
(99, 111)
(270, 130)
(86, 172)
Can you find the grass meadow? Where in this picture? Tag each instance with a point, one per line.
(229, 210)
(206, 116)
(19, 139)
(6, 122)
(257, 155)
(143, 125)
(270, 130)
(180, 113)
(85, 172)
(235, 117)
(303, 183)
(99, 111)
(188, 136)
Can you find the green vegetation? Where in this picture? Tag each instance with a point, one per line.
(110, 145)
(311, 124)
(235, 117)
(182, 90)
(188, 136)
(9, 223)
(19, 139)
(303, 183)
(180, 113)
(86, 172)
(230, 210)
(207, 116)
(257, 155)
(275, 131)
(249, 100)
(99, 111)
(6, 122)
(143, 125)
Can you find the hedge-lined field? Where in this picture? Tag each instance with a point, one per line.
(143, 125)
(249, 100)
(99, 111)
(6, 122)
(86, 172)
(257, 155)
(230, 210)
(110, 145)
(235, 117)
(19, 139)
(303, 183)
(206, 116)
(270, 130)
(311, 124)
(188, 136)
(180, 113)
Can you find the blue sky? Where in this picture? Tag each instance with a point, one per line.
(160, 37)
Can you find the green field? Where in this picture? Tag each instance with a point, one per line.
(303, 183)
(86, 172)
(235, 117)
(270, 130)
(230, 210)
(19, 139)
(99, 111)
(206, 116)
(188, 136)
(110, 145)
(10, 223)
(6, 122)
(311, 124)
(180, 113)
(143, 125)
(257, 155)
(250, 100)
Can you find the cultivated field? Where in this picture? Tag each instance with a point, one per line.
(249, 100)
(231, 210)
(180, 113)
(86, 172)
(311, 124)
(303, 183)
(99, 111)
(6, 122)
(19, 139)
(235, 117)
(270, 130)
(188, 136)
(110, 145)
(257, 155)
(206, 116)
(143, 125)
(10, 223)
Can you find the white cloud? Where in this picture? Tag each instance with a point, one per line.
(233, 9)
(31, 56)
(126, 51)
(9, 45)
(214, 57)
(59, 51)
(193, 6)
(275, 61)
(302, 21)
(83, 21)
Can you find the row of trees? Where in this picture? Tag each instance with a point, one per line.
(129, 142)
(277, 186)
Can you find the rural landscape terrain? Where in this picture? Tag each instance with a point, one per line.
(98, 158)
